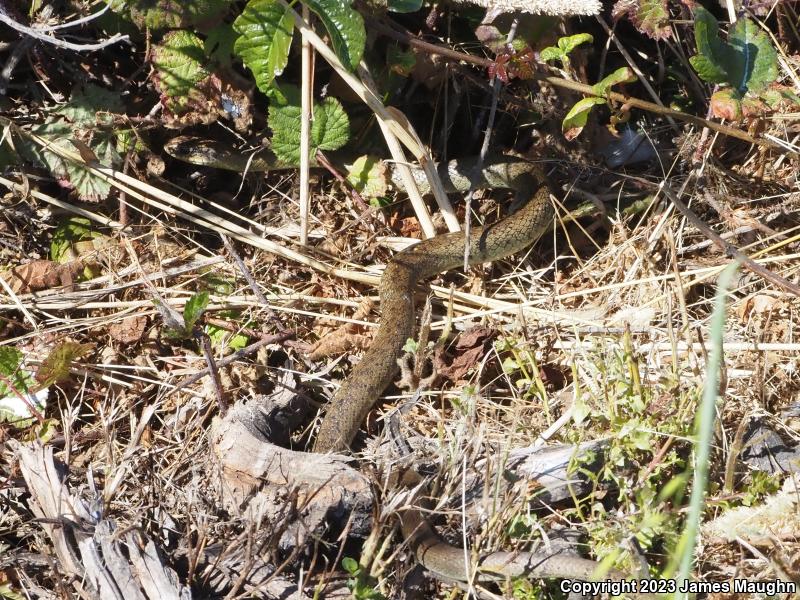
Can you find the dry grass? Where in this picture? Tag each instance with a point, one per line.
(601, 334)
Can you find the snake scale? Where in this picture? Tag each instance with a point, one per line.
(375, 371)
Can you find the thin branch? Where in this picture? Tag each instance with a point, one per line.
(38, 35)
(223, 362)
(306, 108)
(76, 22)
(729, 249)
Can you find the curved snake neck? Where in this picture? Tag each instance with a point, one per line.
(376, 369)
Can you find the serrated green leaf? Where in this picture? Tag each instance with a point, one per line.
(345, 27)
(621, 75)
(179, 62)
(569, 43)
(219, 44)
(10, 359)
(330, 129)
(265, 30)
(651, 17)
(577, 116)
(11, 369)
(714, 56)
(88, 186)
(170, 14)
(88, 107)
(404, 6)
(55, 367)
(759, 61)
(284, 120)
(195, 306)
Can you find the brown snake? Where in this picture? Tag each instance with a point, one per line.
(376, 369)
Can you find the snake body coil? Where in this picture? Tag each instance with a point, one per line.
(375, 371)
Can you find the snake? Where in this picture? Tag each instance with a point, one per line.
(369, 378)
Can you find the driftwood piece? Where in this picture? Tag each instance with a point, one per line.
(256, 473)
(549, 468)
(100, 563)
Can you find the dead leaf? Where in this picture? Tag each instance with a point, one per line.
(40, 275)
(756, 305)
(343, 338)
(128, 331)
(469, 349)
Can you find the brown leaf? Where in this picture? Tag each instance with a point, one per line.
(756, 305)
(40, 275)
(468, 351)
(128, 331)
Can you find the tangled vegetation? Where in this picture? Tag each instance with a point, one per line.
(161, 309)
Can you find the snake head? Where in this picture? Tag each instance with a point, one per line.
(192, 150)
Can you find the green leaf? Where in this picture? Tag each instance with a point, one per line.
(179, 62)
(88, 106)
(576, 118)
(411, 346)
(330, 129)
(222, 337)
(195, 306)
(169, 14)
(74, 229)
(400, 61)
(350, 565)
(747, 62)
(345, 28)
(565, 46)
(621, 75)
(265, 34)
(569, 43)
(651, 17)
(10, 359)
(368, 176)
(55, 367)
(552, 53)
(219, 44)
(758, 57)
(404, 6)
(714, 55)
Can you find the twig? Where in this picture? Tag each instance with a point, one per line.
(474, 176)
(76, 22)
(448, 53)
(247, 350)
(729, 249)
(328, 165)
(36, 34)
(632, 64)
(306, 106)
(252, 283)
(213, 369)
